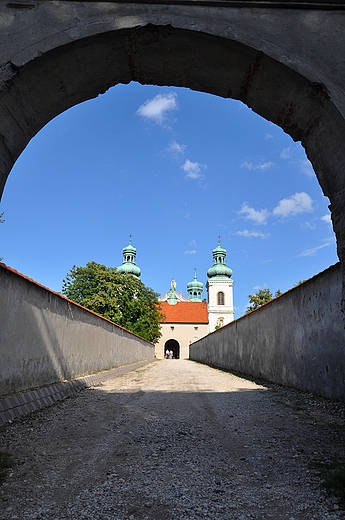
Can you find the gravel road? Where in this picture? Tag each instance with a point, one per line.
(175, 440)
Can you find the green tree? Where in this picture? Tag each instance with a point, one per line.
(298, 283)
(260, 297)
(122, 298)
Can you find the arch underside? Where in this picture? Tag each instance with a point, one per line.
(34, 94)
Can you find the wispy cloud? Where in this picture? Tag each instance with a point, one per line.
(306, 167)
(314, 250)
(262, 166)
(252, 234)
(286, 153)
(268, 136)
(193, 169)
(297, 203)
(176, 148)
(257, 216)
(190, 252)
(158, 108)
(308, 225)
(327, 219)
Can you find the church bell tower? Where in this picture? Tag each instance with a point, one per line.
(219, 289)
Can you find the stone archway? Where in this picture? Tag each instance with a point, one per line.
(173, 345)
(32, 94)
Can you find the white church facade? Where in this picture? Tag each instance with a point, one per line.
(190, 318)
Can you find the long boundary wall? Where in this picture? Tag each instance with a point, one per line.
(46, 338)
(296, 340)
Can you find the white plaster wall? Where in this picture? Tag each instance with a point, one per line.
(45, 338)
(184, 333)
(309, 355)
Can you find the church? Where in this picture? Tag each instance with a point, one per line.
(189, 318)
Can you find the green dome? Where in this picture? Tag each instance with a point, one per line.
(195, 284)
(128, 266)
(219, 269)
(195, 289)
(219, 250)
(129, 249)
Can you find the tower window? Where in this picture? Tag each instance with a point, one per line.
(220, 298)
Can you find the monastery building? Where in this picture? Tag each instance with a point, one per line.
(190, 318)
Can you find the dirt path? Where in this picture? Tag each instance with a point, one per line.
(175, 440)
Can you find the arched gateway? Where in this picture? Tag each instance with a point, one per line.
(173, 346)
(286, 64)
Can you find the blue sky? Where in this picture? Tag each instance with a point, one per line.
(175, 169)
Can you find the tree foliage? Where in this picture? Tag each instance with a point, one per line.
(298, 283)
(261, 297)
(120, 297)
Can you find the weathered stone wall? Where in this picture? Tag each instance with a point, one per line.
(45, 338)
(286, 64)
(295, 340)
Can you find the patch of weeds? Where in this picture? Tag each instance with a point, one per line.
(5, 464)
(332, 475)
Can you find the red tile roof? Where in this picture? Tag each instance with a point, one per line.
(185, 312)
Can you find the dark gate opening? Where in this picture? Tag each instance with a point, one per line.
(174, 346)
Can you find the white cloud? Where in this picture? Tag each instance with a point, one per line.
(314, 250)
(305, 167)
(257, 216)
(308, 225)
(258, 287)
(263, 166)
(192, 243)
(193, 169)
(158, 107)
(286, 153)
(252, 234)
(327, 219)
(190, 252)
(176, 148)
(297, 203)
(268, 136)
